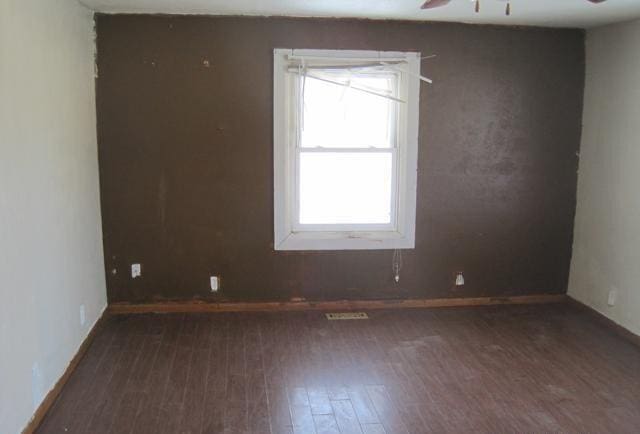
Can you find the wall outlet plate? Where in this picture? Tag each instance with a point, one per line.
(136, 271)
(83, 317)
(215, 283)
(613, 295)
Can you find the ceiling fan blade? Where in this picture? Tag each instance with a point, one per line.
(430, 4)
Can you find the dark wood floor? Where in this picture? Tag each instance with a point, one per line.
(490, 369)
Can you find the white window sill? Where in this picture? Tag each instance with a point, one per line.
(345, 241)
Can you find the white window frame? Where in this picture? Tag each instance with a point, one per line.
(400, 234)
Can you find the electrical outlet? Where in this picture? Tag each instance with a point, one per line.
(613, 294)
(136, 270)
(83, 317)
(215, 283)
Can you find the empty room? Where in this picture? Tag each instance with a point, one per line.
(319, 216)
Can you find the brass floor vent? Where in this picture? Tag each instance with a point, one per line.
(347, 315)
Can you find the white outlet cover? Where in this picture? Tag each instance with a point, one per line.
(83, 317)
(613, 294)
(215, 283)
(136, 270)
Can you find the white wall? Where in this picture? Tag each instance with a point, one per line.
(50, 233)
(606, 250)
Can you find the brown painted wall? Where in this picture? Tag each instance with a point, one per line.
(186, 159)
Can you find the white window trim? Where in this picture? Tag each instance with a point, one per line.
(284, 133)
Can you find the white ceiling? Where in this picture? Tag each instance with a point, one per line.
(563, 13)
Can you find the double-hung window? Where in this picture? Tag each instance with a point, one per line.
(345, 149)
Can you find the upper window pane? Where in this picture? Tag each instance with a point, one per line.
(337, 116)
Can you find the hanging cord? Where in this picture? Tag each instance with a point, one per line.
(302, 73)
(343, 95)
(346, 87)
(396, 264)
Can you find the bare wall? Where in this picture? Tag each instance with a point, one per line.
(607, 228)
(185, 143)
(51, 259)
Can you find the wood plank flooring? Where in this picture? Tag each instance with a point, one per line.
(546, 368)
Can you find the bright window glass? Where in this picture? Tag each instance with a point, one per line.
(342, 117)
(345, 188)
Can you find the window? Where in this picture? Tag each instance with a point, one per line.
(345, 149)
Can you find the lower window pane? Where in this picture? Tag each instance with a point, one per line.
(345, 188)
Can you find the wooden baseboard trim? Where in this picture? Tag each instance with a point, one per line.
(201, 306)
(606, 322)
(48, 401)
